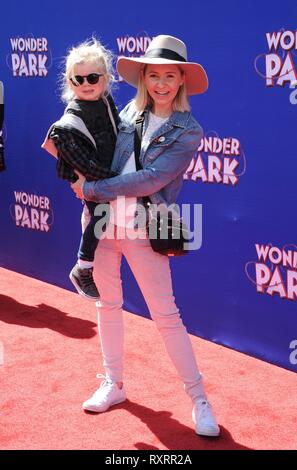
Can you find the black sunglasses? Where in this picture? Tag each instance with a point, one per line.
(92, 79)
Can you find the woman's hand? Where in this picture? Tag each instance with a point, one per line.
(78, 185)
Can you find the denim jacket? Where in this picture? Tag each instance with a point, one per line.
(164, 159)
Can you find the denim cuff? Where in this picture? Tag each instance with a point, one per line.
(88, 190)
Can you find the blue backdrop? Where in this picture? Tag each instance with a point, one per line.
(240, 288)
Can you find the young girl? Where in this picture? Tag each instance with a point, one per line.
(84, 139)
(171, 135)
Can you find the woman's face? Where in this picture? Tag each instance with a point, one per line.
(86, 91)
(162, 83)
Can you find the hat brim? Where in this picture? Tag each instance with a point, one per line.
(195, 76)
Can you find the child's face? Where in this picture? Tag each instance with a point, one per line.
(86, 91)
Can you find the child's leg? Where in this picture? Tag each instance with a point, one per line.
(89, 241)
(82, 273)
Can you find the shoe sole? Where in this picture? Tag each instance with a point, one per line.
(88, 297)
(95, 410)
(207, 433)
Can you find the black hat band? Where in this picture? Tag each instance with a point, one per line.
(161, 53)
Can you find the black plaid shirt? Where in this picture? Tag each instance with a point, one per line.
(76, 151)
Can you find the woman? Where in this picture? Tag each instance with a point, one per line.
(171, 135)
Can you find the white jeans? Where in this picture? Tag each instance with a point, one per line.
(152, 273)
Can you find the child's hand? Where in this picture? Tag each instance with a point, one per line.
(78, 185)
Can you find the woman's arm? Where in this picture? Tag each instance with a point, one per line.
(170, 164)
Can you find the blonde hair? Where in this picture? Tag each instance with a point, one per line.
(89, 51)
(142, 98)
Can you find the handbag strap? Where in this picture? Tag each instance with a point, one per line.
(137, 149)
(137, 140)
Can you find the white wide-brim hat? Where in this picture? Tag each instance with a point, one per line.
(165, 49)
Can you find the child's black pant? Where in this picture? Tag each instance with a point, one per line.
(89, 241)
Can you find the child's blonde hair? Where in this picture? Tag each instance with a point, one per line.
(89, 51)
(142, 98)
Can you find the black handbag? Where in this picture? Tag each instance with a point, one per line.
(167, 232)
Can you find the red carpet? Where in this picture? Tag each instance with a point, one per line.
(51, 357)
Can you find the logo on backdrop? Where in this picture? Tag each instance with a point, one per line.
(275, 271)
(32, 211)
(133, 46)
(29, 56)
(218, 160)
(278, 65)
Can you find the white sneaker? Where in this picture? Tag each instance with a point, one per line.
(108, 394)
(204, 419)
